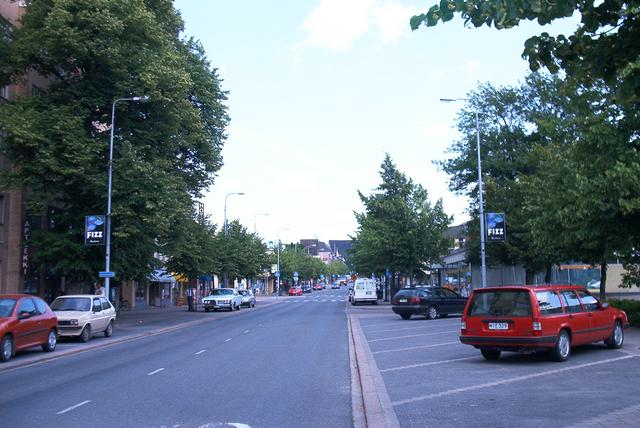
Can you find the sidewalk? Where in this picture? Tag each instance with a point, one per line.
(131, 325)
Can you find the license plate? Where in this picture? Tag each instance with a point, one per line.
(402, 300)
(369, 292)
(498, 326)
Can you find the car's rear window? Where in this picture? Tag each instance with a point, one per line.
(406, 293)
(6, 307)
(501, 304)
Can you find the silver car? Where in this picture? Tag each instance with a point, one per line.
(222, 298)
(248, 298)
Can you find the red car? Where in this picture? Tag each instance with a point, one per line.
(26, 321)
(549, 317)
(295, 291)
(317, 287)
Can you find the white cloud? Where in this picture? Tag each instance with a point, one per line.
(472, 67)
(337, 24)
(438, 130)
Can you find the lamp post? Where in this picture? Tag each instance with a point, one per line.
(107, 253)
(278, 266)
(254, 220)
(224, 227)
(481, 200)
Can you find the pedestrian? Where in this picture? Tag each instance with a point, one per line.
(99, 289)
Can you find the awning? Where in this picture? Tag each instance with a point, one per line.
(160, 275)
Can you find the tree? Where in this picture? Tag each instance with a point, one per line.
(606, 44)
(399, 228)
(165, 153)
(241, 254)
(192, 248)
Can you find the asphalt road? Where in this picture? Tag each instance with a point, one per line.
(432, 380)
(284, 366)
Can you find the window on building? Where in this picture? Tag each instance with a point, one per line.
(35, 91)
(4, 92)
(1, 209)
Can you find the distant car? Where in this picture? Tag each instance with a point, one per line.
(25, 322)
(306, 288)
(335, 285)
(248, 298)
(594, 285)
(295, 291)
(428, 301)
(83, 315)
(222, 298)
(317, 287)
(552, 317)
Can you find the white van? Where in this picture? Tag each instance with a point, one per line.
(364, 290)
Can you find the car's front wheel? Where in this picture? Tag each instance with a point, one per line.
(85, 335)
(108, 332)
(616, 339)
(52, 341)
(490, 354)
(6, 348)
(562, 350)
(432, 312)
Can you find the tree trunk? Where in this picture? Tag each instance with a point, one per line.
(528, 276)
(603, 281)
(547, 273)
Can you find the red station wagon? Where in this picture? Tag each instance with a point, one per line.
(530, 318)
(26, 321)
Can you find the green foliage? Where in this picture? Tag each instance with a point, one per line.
(399, 229)
(193, 248)
(294, 258)
(241, 254)
(165, 153)
(631, 307)
(337, 267)
(606, 44)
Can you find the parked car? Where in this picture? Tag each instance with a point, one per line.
(84, 315)
(364, 291)
(428, 301)
(553, 318)
(25, 322)
(295, 291)
(306, 288)
(335, 285)
(248, 298)
(222, 298)
(318, 287)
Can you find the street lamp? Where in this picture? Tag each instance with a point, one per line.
(482, 243)
(254, 220)
(107, 254)
(224, 224)
(278, 265)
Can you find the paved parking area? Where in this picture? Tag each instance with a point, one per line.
(433, 380)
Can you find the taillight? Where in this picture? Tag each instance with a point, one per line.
(463, 325)
(537, 327)
(415, 300)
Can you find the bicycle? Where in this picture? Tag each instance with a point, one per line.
(123, 305)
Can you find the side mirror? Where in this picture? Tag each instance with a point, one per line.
(24, 315)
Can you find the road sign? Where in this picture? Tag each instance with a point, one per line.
(103, 274)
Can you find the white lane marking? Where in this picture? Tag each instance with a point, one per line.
(415, 327)
(155, 371)
(227, 339)
(432, 363)
(200, 352)
(68, 409)
(416, 347)
(504, 381)
(246, 331)
(323, 300)
(334, 300)
(260, 325)
(412, 335)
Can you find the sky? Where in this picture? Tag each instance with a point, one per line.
(320, 90)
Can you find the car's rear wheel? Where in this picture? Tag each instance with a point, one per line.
(206, 309)
(85, 335)
(490, 354)
(562, 350)
(432, 312)
(108, 332)
(616, 339)
(253, 304)
(6, 348)
(405, 316)
(52, 341)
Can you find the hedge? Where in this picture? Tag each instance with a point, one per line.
(631, 307)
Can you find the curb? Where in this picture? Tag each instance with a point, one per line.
(373, 396)
(14, 365)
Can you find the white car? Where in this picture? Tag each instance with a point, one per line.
(248, 298)
(84, 315)
(364, 291)
(222, 298)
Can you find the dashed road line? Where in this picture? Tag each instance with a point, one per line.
(412, 335)
(411, 348)
(155, 371)
(432, 363)
(226, 340)
(246, 331)
(200, 352)
(68, 409)
(505, 381)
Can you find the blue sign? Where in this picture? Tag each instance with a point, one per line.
(94, 233)
(104, 274)
(496, 226)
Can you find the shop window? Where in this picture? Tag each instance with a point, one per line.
(4, 92)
